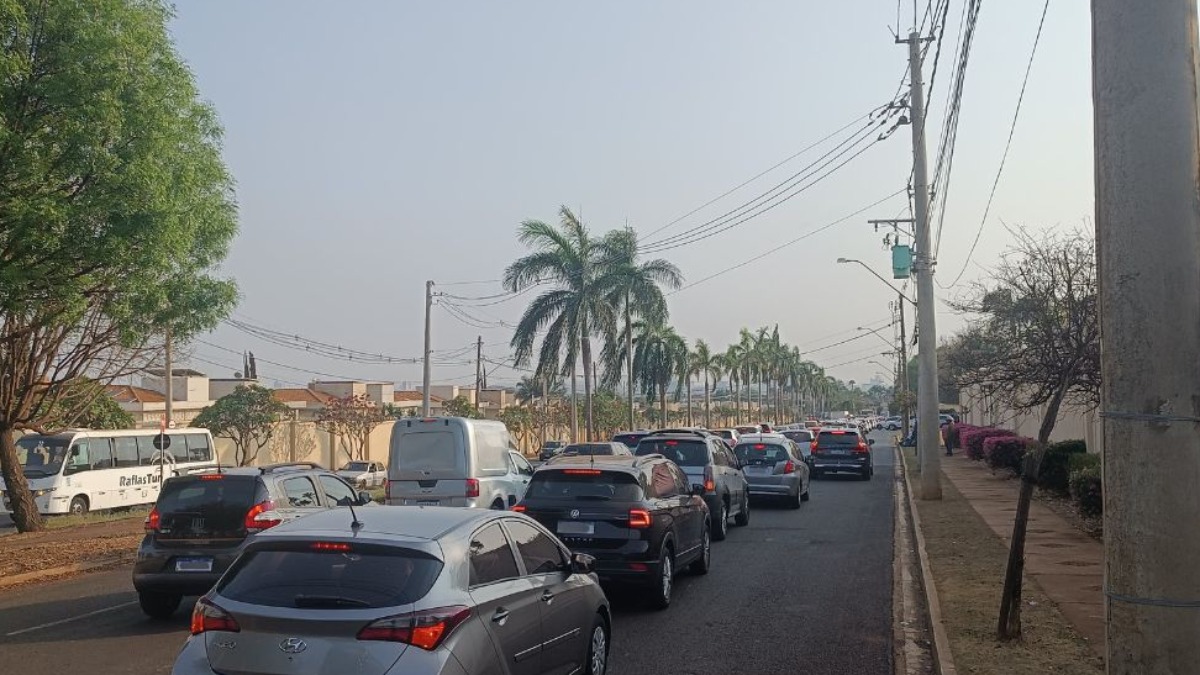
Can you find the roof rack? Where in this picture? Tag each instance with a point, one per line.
(289, 466)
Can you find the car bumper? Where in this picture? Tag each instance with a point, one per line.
(774, 490)
(839, 465)
(154, 570)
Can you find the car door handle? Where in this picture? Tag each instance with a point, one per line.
(547, 597)
(500, 616)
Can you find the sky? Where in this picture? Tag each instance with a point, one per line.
(380, 144)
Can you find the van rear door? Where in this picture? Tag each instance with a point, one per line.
(428, 464)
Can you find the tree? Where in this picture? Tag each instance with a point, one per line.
(710, 365)
(85, 403)
(351, 419)
(1036, 344)
(248, 416)
(577, 307)
(115, 208)
(660, 357)
(461, 406)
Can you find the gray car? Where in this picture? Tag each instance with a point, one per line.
(710, 464)
(773, 467)
(403, 590)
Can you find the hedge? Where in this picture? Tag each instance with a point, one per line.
(1086, 486)
(973, 439)
(1005, 452)
(1055, 475)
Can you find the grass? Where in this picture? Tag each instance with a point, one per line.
(968, 562)
(59, 522)
(377, 495)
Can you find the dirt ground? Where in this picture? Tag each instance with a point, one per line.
(968, 563)
(70, 544)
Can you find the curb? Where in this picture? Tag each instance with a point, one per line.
(942, 656)
(38, 575)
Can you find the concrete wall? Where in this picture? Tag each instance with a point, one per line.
(1073, 421)
(185, 388)
(220, 388)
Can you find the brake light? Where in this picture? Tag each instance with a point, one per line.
(206, 616)
(519, 508)
(760, 446)
(472, 487)
(709, 484)
(839, 432)
(862, 448)
(639, 519)
(256, 518)
(425, 629)
(211, 476)
(153, 520)
(582, 472)
(672, 443)
(789, 467)
(330, 546)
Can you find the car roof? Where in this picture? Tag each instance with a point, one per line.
(761, 438)
(606, 462)
(405, 522)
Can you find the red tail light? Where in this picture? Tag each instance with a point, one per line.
(812, 447)
(710, 485)
(472, 487)
(335, 546)
(153, 520)
(519, 508)
(639, 519)
(257, 519)
(206, 616)
(425, 629)
(789, 467)
(861, 448)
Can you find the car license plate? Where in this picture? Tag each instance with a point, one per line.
(576, 527)
(427, 502)
(839, 453)
(193, 564)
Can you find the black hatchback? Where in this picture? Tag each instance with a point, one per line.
(638, 517)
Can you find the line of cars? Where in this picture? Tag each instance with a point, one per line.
(301, 573)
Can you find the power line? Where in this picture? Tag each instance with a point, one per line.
(945, 162)
(312, 346)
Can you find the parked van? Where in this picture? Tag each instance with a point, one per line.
(455, 461)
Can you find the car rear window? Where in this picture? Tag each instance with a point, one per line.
(799, 436)
(589, 449)
(724, 433)
(300, 575)
(830, 439)
(628, 439)
(194, 506)
(761, 453)
(586, 484)
(682, 452)
(436, 450)
(747, 430)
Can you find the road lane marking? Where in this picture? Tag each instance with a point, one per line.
(72, 618)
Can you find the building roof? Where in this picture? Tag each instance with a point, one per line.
(305, 396)
(177, 372)
(410, 396)
(127, 393)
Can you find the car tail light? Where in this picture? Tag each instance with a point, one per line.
(212, 476)
(639, 519)
(789, 467)
(813, 446)
(519, 508)
(257, 519)
(335, 546)
(639, 567)
(153, 520)
(425, 629)
(710, 485)
(206, 616)
(582, 472)
(472, 487)
(861, 448)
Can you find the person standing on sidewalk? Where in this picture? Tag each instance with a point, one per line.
(949, 436)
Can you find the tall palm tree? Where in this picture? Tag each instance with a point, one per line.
(710, 365)
(660, 357)
(577, 306)
(731, 365)
(636, 287)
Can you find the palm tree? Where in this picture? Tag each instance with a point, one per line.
(636, 287)
(710, 365)
(576, 308)
(660, 356)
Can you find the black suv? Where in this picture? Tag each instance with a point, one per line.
(711, 464)
(842, 450)
(637, 516)
(200, 520)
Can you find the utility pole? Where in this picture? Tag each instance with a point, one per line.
(478, 371)
(168, 382)
(927, 383)
(1144, 77)
(904, 409)
(426, 376)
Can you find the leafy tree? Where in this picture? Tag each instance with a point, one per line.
(708, 364)
(660, 357)
(352, 419)
(85, 403)
(248, 416)
(115, 207)
(461, 406)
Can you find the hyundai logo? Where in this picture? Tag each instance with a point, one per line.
(292, 646)
(574, 513)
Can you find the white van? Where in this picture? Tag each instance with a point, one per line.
(85, 470)
(455, 461)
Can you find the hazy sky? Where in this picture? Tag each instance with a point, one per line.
(380, 144)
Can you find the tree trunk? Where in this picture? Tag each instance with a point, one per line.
(662, 402)
(737, 402)
(24, 510)
(587, 385)
(574, 404)
(1009, 624)
(1052, 408)
(629, 361)
(687, 382)
(707, 410)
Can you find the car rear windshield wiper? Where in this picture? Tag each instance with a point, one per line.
(327, 601)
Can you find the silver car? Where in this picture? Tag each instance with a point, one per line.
(403, 590)
(773, 467)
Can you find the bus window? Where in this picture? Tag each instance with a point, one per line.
(198, 448)
(146, 451)
(78, 459)
(178, 448)
(125, 451)
(100, 450)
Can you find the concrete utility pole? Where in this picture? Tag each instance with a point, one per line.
(428, 371)
(478, 370)
(168, 382)
(927, 383)
(904, 409)
(1144, 83)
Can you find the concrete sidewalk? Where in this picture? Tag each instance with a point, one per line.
(1067, 564)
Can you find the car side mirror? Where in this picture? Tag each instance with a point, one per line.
(870, 441)
(364, 498)
(582, 563)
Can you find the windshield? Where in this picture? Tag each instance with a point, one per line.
(845, 439)
(354, 466)
(592, 484)
(761, 453)
(41, 455)
(682, 452)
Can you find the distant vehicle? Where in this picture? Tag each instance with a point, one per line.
(598, 449)
(200, 521)
(803, 440)
(630, 438)
(642, 519)
(773, 468)
(730, 436)
(92, 470)
(842, 451)
(892, 423)
(455, 461)
(410, 591)
(748, 429)
(550, 449)
(710, 463)
(364, 475)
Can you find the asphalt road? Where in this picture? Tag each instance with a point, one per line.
(804, 591)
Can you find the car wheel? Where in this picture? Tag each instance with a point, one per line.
(794, 500)
(742, 519)
(597, 658)
(158, 605)
(804, 496)
(666, 580)
(866, 474)
(79, 506)
(701, 565)
(720, 526)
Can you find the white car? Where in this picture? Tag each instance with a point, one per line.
(364, 475)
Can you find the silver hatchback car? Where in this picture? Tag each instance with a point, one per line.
(773, 467)
(402, 590)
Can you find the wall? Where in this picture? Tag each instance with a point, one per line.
(1073, 421)
(311, 443)
(221, 388)
(185, 388)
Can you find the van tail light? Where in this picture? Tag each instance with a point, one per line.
(789, 467)
(258, 518)
(710, 485)
(153, 520)
(472, 487)
(862, 448)
(425, 629)
(206, 616)
(639, 519)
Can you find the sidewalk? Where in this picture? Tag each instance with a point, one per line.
(1067, 564)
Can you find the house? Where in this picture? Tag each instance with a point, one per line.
(306, 403)
(409, 403)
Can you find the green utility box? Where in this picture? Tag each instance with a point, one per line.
(902, 258)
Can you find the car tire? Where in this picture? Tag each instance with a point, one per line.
(804, 496)
(720, 525)
(598, 645)
(158, 605)
(702, 564)
(865, 475)
(79, 506)
(665, 582)
(742, 519)
(794, 500)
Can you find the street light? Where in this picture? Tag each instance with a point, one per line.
(875, 332)
(877, 276)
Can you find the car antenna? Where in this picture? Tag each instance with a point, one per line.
(355, 523)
